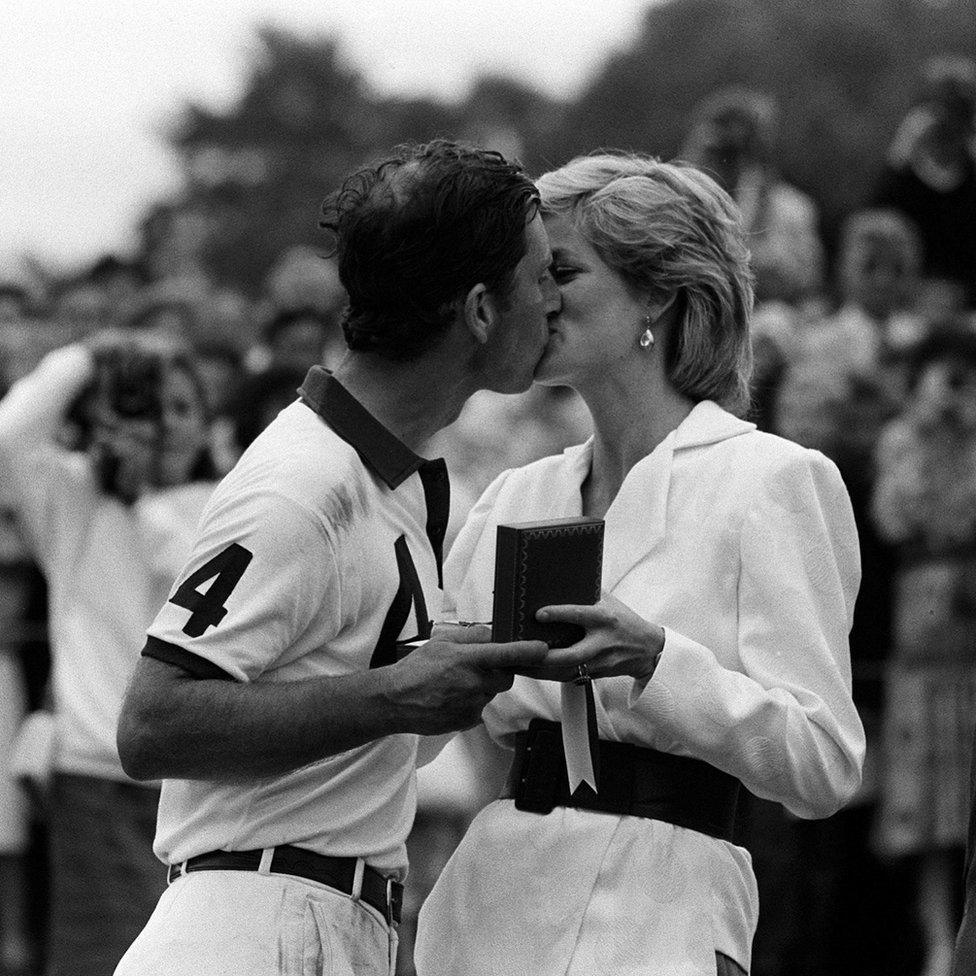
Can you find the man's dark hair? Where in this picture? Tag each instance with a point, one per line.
(416, 232)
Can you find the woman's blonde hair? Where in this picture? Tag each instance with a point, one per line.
(670, 231)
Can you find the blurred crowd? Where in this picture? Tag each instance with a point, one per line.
(865, 349)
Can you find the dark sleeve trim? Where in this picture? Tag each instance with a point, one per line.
(179, 657)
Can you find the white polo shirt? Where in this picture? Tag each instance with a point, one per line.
(315, 557)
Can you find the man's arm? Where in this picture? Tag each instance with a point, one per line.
(174, 725)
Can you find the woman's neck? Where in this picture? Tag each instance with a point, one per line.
(627, 426)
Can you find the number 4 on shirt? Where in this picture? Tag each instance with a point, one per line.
(226, 570)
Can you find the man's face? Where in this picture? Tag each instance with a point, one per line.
(517, 342)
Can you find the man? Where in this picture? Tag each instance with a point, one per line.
(270, 698)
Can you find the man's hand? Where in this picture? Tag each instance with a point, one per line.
(444, 685)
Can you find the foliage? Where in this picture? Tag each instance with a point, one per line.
(843, 72)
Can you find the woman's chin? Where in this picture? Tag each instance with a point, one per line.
(547, 372)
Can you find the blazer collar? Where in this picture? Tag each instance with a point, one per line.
(708, 423)
(636, 522)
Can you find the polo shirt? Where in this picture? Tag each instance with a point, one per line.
(318, 554)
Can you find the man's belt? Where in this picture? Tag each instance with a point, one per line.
(632, 781)
(382, 893)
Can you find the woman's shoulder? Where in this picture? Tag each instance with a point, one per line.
(545, 474)
(566, 460)
(759, 456)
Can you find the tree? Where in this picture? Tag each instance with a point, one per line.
(843, 73)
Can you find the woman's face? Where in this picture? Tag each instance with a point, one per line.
(601, 318)
(183, 427)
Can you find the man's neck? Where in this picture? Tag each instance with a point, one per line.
(413, 400)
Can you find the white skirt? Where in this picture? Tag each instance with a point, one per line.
(576, 892)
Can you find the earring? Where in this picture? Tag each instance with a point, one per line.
(647, 337)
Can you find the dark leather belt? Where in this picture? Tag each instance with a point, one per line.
(383, 894)
(632, 781)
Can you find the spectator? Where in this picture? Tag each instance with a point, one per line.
(925, 504)
(16, 950)
(110, 527)
(841, 384)
(172, 317)
(733, 139)
(259, 399)
(221, 368)
(930, 176)
(878, 271)
(298, 338)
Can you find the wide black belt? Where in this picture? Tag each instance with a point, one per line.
(382, 893)
(632, 781)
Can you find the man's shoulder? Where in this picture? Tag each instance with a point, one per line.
(298, 461)
(299, 449)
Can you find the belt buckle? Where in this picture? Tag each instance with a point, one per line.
(538, 785)
(394, 901)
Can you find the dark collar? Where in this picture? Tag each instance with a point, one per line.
(382, 452)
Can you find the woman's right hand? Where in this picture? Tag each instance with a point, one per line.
(617, 642)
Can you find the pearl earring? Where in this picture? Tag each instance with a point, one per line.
(647, 337)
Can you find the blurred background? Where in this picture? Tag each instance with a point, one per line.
(162, 166)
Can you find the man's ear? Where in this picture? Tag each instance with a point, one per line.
(479, 313)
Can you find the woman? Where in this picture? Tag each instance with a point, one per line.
(720, 646)
(110, 526)
(924, 505)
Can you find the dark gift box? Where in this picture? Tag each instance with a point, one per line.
(540, 564)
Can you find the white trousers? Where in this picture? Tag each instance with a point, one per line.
(242, 923)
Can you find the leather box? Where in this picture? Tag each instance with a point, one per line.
(540, 564)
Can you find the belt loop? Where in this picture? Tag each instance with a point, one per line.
(357, 879)
(264, 867)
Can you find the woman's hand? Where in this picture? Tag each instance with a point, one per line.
(617, 642)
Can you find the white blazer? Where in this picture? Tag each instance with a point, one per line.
(742, 545)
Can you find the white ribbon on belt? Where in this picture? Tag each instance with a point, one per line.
(576, 734)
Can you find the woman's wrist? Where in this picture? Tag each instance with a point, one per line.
(646, 663)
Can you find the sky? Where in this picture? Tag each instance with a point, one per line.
(88, 87)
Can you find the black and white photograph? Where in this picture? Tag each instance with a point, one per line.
(488, 489)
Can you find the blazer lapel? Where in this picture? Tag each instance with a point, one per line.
(637, 520)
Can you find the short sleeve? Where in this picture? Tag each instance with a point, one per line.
(262, 573)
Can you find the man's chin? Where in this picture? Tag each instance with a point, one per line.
(542, 374)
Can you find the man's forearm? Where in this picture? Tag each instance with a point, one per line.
(177, 726)
(213, 729)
